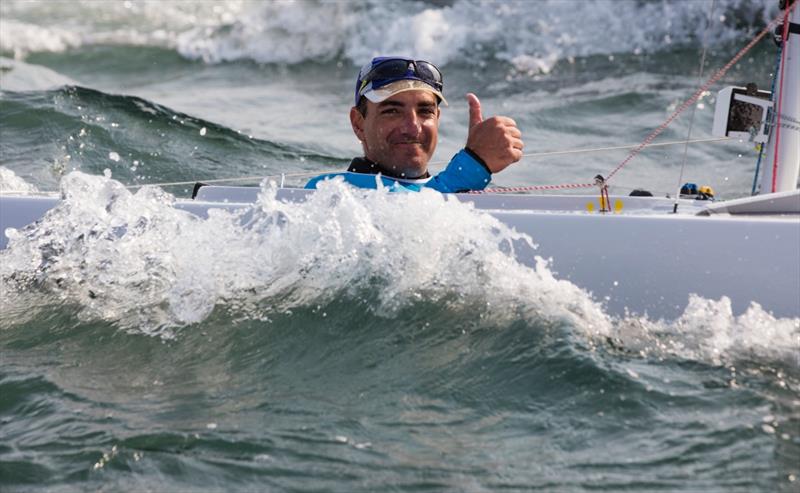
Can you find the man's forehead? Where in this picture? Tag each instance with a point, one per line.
(413, 97)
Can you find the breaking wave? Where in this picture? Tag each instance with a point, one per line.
(530, 37)
(135, 260)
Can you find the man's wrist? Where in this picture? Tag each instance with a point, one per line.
(477, 158)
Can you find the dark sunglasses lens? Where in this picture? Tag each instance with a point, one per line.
(427, 71)
(388, 70)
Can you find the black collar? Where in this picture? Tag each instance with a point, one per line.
(365, 166)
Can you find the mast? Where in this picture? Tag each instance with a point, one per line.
(787, 119)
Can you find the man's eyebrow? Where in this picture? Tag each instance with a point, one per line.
(390, 103)
(400, 104)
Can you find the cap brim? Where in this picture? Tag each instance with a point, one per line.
(389, 90)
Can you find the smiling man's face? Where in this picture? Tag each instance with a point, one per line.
(400, 133)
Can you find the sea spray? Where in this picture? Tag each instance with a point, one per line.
(134, 259)
(708, 331)
(10, 182)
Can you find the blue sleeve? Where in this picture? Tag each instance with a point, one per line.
(362, 180)
(464, 173)
(312, 183)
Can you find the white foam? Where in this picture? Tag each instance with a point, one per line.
(531, 36)
(20, 38)
(133, 259)
(27, 27)
(274, 32)
(709, 332)
(10, 182)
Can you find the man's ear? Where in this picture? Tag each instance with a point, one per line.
(357, 122)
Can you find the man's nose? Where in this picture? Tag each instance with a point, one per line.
(411, 123)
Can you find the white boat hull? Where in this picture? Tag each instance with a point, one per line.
(638, 263)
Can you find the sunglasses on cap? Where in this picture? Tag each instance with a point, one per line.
(393, 69)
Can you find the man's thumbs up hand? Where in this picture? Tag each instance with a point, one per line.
(497, 140)
(475, 116)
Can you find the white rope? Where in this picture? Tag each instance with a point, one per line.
(225, 180)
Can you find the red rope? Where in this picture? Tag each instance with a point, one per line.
(785, 47)
(716, 77)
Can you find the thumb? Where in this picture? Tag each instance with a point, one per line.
(475, 116)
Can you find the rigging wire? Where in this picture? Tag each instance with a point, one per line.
(762, 146)
(532, 155)
(612, 148)
(694, 107)
(283, 176)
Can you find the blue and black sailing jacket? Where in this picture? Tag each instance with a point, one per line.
(465, 172)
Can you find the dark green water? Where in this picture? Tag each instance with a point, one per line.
(431, 399)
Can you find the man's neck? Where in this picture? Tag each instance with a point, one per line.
(367, 166)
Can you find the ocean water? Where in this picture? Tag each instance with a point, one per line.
(362, 341)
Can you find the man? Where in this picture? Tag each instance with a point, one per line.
(396, 118)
